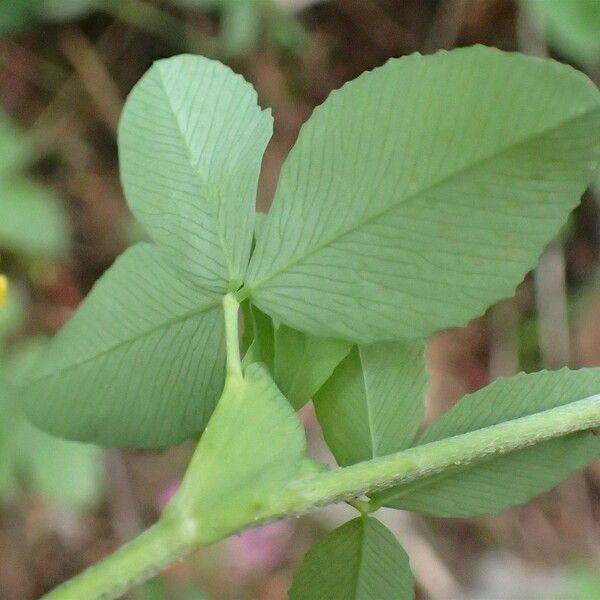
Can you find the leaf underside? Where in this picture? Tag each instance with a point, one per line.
(374, 402)
(191, 142)
(140, 364)
(397, 214)
(422, 192)
(361, 560)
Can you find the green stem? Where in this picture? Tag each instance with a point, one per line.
(174, 536)
(420, 462)
(232, 337)
(364, 507)
(132, 564)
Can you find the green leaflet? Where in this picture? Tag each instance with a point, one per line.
(361, 560)
(303, 363)
(300, 363)
(512, 479)
(252, 447)
(374, 402)
(191, 141)
(258, 337)
(422, 192)
(573, 26)
(140, 364)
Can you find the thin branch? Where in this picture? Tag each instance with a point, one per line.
(176, 534)
(232, 337)
(132, 564)
(430, 459)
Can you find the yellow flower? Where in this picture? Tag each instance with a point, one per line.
(3, 288)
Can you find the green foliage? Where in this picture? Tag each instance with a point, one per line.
(384, 205)
(584, 583)
(11, 315)
(66, 473)
(13, 147)
(300, 363)
(16, 15)
(31, 221)
(244, 23)
(360, 560)
(191, 141)
(572, 26)
(140, 364)
(252, 448)
(67, 10)
(241, 25)
(415, 197)
(304, 362)
(259, 337)
(33, 224)
(374, 402)
(504, 481)
(159, 589)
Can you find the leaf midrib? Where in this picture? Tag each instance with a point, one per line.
(258, 284)
(361, 554)
(212, 190)
(368, 404)
(187, 315)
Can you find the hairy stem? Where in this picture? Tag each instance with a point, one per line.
(131, 565)
(420, 462)
(174, 536)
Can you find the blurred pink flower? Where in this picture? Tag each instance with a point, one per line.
(166, 494)
(259, 550)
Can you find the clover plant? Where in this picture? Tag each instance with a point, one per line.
(415, 197)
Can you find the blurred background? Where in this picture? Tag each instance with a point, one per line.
(66, 67)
